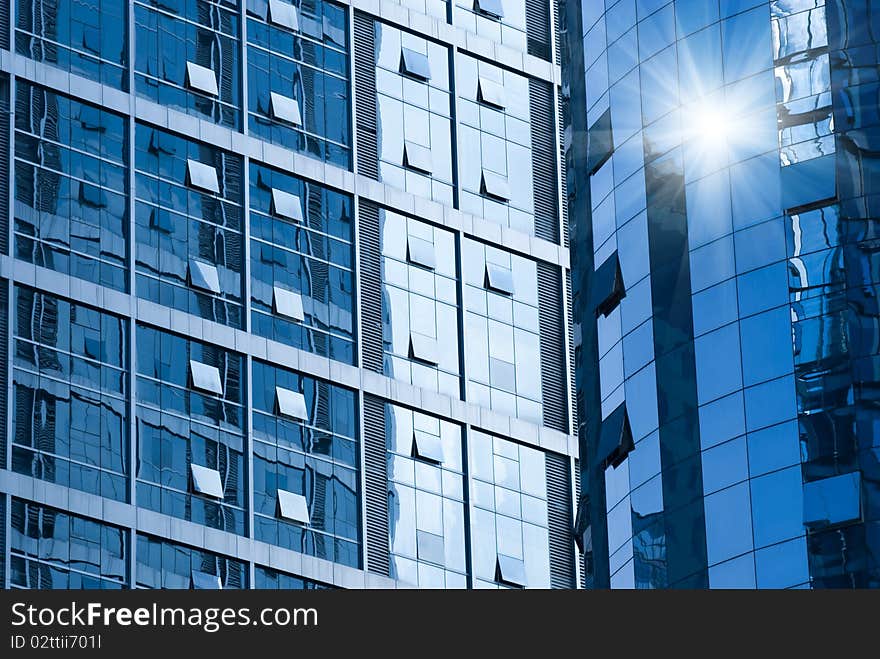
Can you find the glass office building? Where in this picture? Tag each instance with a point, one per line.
(723, 168)
(285, 293)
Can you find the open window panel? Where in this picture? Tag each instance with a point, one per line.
(286, 205)
(423, 348)
(498, 279)
(202, 176)
(430, 547)
(494, 185)
(293, 507)
(600, 142)
(205, 377)
(284, 108)
(834, 501)
(206, 481)
(427, 447)
(291, 404)
(414, 64)
(615, 439)
(201, 78)
(492, 8)
(510, 571)
(204, 581)
(287, 303)
(491, 93)
(283, 14)
(417, 157)
(420, 252)
(204, 276)
(608, 288)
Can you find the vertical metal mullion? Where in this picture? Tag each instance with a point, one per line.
(248, 447)
(132, 290)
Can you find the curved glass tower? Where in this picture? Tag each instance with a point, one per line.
(723, 181)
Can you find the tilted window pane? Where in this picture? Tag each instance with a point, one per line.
(423, 348)
(495, 185)
(416, 156)
(286, 205)
(204, 275)
(206, 481)
(201, 79)
(287, 303)
(293, 507)
(205, 377)
(285, 109)
(427, 446)
(283, 14)
(420, 252)
(202, 176)
(291, 404)
(493, 8)
(491, 93)
(414, 64)
(510, 570)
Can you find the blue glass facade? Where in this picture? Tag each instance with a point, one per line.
(712, 161)
(284, 286)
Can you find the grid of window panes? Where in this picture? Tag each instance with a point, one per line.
(53, 549)
(70, 181)
(502, 21)
(421, 316)
(69, 394)
(304, 61)
(494, 143)
(265, 578)
(165, 564)
(188, 220)
(301, 244)
(304, 443)
(86, 39)
(190, 427)
(501, 330)
(803, 76)
(188, 57)
(509, 537)
(426, 513)
(414, 110)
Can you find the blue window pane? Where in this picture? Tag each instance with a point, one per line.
(719, 369)
(725, 465)
(691, 15)
(735, 573)
(728, 523)
(763, 289)
(755, 190)
(774, 448)
(712, 264)
(783, 565)
(708, 209)
(760, 245)
(721, 420)
(833, 500)
(746, 39)
(770, 403)
(715, 307)
(777, 509)
(766, 341)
